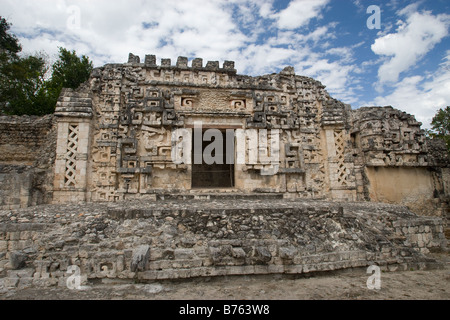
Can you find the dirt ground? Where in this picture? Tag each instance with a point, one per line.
(342, 285)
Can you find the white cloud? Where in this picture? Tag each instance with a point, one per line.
(212, 30)
(109, 30)
(299, 13)
(345, 53)
(251, 32)
(412, 41)
(335, 75)
(421, 96)
(262, 59)
(265, 9)
(361, 7)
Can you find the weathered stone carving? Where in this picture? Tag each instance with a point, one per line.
(114, 137)
(127, 132)
(74, 113)
(325, 147)
(70, 156)
(187, 239)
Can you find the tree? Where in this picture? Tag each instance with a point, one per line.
(23, 87)
(9, 44)
(21, 78)
(441, 126)
(70, 70)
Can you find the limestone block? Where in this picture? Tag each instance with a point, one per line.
(140, 258)
(288, 252)
(3, 245)
(17, 260)
(184, 254)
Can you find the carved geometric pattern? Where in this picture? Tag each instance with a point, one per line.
(238, 104)
(187, 102)
(342, 169)
(70, 156)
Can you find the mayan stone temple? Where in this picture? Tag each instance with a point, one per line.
(188, 169)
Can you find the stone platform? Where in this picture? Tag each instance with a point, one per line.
(187, 238)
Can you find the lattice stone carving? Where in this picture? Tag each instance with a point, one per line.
(70, 156)
(342, 174)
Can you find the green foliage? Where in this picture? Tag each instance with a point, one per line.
(9, 44)
(441, 126)
(70, 71)
(23, 87)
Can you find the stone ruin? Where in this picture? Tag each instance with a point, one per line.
(301, 182)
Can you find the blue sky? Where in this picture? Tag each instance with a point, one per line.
(405, 63)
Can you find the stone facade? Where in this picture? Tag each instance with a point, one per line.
(115, 137)
(296, 184)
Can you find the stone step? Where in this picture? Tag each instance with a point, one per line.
(220, 196)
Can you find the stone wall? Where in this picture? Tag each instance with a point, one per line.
(417, 187)
(23, 138)
(27, 156)
(15, 186)
(188, 238)
(398, 164)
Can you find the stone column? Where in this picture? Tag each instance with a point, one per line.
(74, 114)
(339, 163)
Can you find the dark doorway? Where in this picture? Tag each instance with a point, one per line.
(220, 174)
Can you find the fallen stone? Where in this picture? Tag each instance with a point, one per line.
(262, 255)
(17, 260)
(140, 258)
